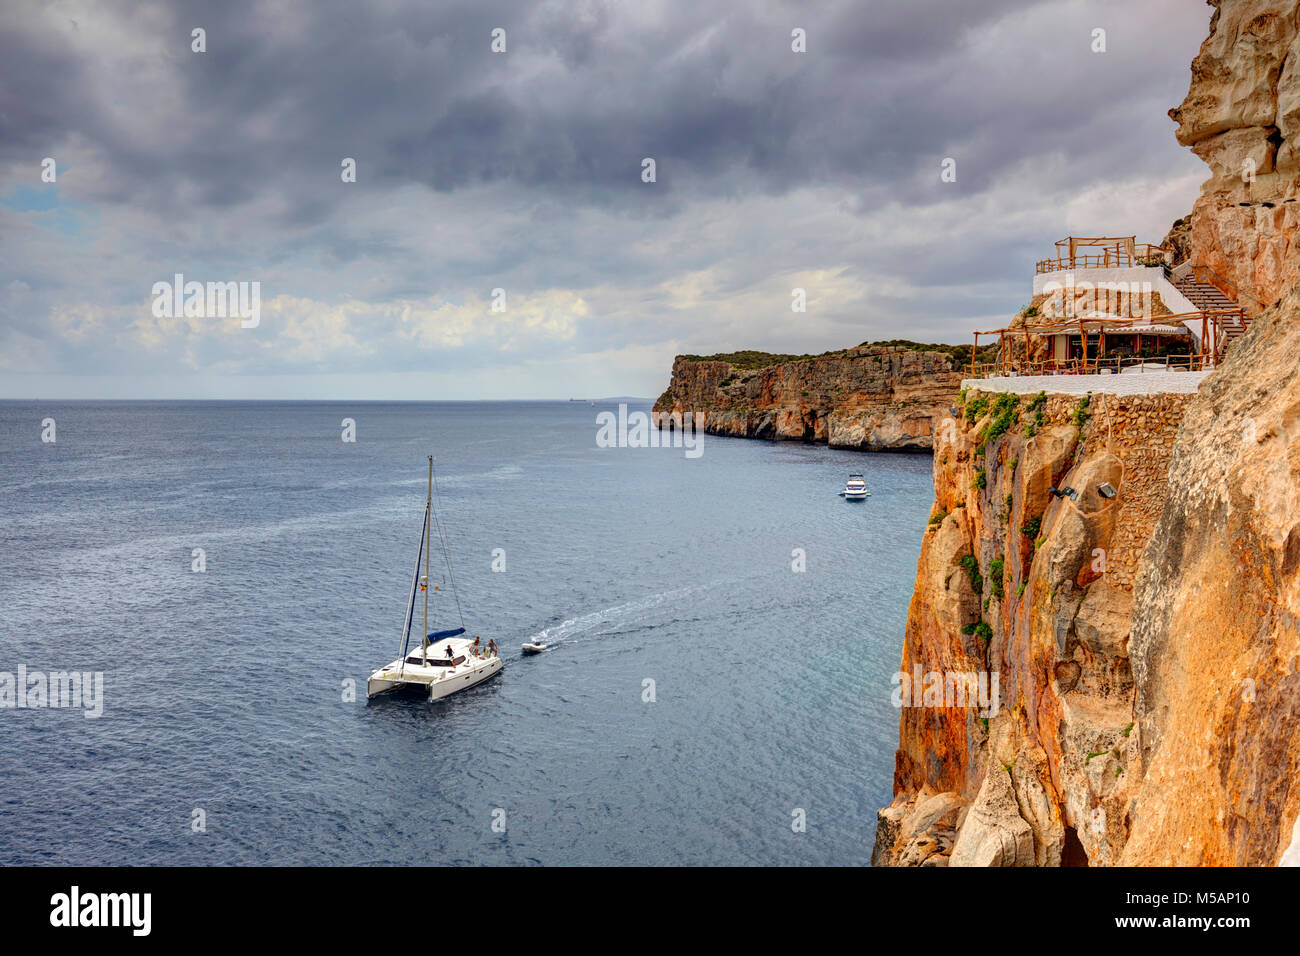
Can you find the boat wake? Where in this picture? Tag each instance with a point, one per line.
(590, 625)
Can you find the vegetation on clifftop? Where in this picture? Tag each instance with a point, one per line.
(957, 355)
(750, 359)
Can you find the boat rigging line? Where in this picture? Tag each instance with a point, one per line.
(451, 578)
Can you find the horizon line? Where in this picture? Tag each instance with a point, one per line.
(384, 401)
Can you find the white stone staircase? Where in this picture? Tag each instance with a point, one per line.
(1196, 284)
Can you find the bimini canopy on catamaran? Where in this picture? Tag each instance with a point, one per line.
(446, 661)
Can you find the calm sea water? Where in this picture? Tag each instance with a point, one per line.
(224, 690)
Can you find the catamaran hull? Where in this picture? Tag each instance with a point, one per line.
(458, 682)
(375, 686)
(443, 686)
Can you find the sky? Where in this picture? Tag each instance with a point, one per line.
(500, 240)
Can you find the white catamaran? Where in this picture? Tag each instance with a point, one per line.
(446, 661)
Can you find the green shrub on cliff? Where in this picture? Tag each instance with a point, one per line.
(996, 569)
(972, 566)
(1031, 529)
(980, 480)
(1004, 414)
(1080, 416)
(976, 408)
(1035, 408)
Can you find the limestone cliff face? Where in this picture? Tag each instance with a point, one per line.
(1215, 646)
(1038, 590)
(1242, 116)
(1150, 702)
(1147, 646)
(1216, 642)
(873, 398)
(1179, 239)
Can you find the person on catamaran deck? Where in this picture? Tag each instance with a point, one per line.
(449, 655)
(492, 646)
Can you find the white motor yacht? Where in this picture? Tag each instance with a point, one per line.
(855, 489)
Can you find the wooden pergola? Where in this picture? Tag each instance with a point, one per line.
(1113, 252)
(1212, 341)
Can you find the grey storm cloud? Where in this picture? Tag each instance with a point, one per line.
(710, 90)
(477, 169)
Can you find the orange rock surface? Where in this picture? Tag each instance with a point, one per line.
(1148, 645)
(875, 398)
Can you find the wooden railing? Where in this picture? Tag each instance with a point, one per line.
(1113, 364)
(1213, 344)
(1144, 254)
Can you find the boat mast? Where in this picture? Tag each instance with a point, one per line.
(410, 601)
(428, 507)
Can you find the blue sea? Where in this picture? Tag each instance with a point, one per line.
(700, 698)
